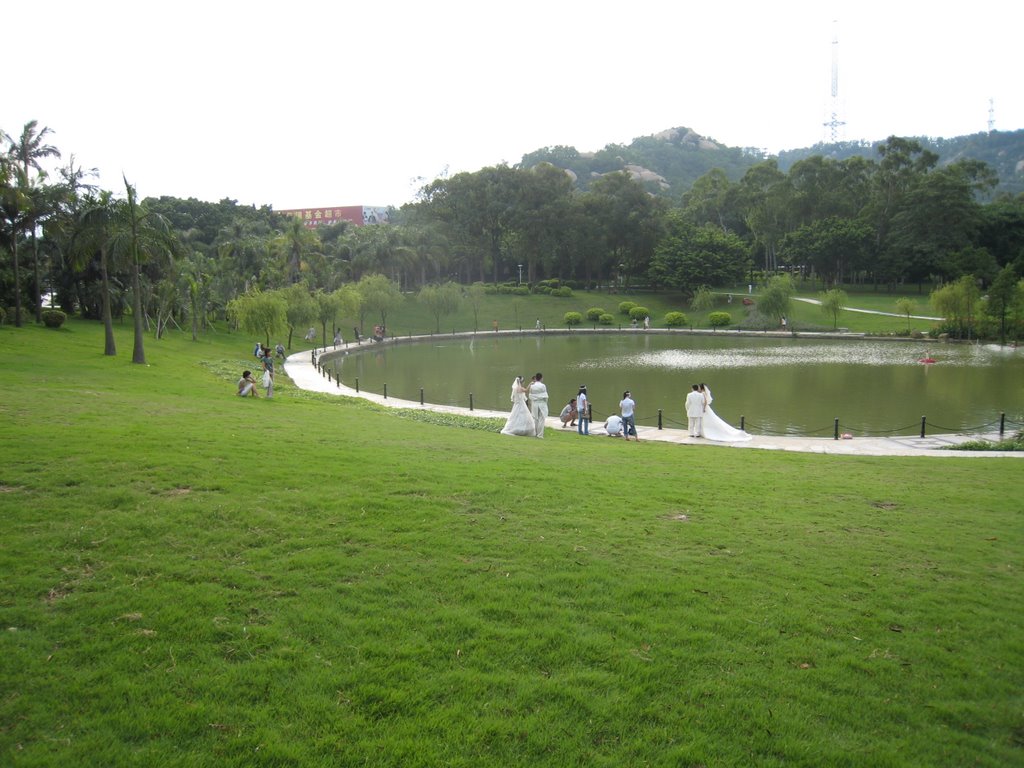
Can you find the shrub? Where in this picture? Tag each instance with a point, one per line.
(626, 306)
(606, 319)
(719, 319)
(542, 289)
(53, 318)
(639, 313)
(594, 314)
(676, 320)
(521, 290)
(563, 292)
(572, 318)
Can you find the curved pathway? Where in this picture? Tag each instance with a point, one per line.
(870, 311)
(305, 375)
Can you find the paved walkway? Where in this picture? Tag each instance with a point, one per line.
(300, 369)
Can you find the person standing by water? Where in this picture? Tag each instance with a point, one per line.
(519, 421)
(695, 406)
(582, 412)
(539, 403)
(627, 407)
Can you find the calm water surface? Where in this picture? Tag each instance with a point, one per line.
(779, 385)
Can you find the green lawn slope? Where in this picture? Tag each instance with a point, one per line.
(194, 579)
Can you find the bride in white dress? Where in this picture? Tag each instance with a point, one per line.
(520, 422)
(715, 428)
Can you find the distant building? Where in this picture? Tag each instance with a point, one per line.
(354, 214)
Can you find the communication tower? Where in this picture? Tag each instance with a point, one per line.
(835, 123)
(991, 115)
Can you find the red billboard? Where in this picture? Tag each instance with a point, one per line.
(354, 214)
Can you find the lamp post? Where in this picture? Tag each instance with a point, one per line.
(520, 274)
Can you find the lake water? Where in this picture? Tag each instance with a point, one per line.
(780, 385)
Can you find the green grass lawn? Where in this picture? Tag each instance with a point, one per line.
(513, 312)
(194, 579)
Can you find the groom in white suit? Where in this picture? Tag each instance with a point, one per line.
(538, 394)
(695, 411)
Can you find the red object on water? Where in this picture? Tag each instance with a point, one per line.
(927, 360)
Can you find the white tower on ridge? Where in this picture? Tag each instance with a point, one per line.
(835, 123)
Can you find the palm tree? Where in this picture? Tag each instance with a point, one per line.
(297, 243)
(13, 205)
(26, 152)
(95, 234)
(141, 234)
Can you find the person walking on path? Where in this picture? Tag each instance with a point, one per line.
(539, 403)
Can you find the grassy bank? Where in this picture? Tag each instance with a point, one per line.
(511, 312)
(195, 579)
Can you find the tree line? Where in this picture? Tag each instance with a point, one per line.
(898, 221)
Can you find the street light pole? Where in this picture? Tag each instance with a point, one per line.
(520, 274)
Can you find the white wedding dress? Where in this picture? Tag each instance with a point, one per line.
(519, 422)
(718, 430)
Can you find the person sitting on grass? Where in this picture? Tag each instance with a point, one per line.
(247, 385)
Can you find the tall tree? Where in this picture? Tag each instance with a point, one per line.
(140, 235)
(26, 151)
(94, 237)
(630, 221)
(1002, 295)
(14, 205)
(377, 294)
(765, 195)
(441, 300)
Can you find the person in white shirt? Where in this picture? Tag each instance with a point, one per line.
(695, 406)
(613, 426)
(538, 394)
(582, 412)
(627, 406)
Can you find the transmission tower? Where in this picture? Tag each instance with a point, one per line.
(834, 123)
(991, 115)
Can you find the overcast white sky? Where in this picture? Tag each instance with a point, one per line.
(340, 103)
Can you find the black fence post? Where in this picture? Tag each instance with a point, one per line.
(1002, 423)
(835, 427)
(743, 423)
(421, 395)
(471, 401)
(659, 418)
(922, 426)
(385, 391)
(357, 385)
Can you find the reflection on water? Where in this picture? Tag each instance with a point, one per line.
(864, 353)
(778, 385)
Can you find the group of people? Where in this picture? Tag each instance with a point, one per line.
(529, 408)
(702, 421)
(247, 386)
